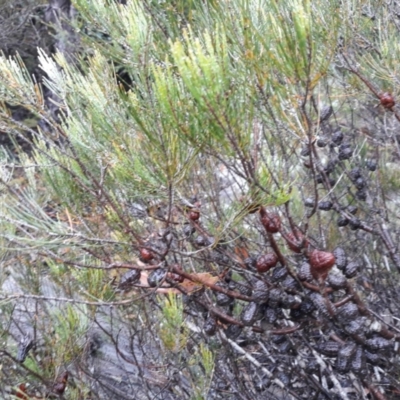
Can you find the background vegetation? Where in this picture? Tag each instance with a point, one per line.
(177, 181)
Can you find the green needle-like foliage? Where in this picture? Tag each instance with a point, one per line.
(155, 149)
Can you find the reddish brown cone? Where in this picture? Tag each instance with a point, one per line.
(61, 383)
(146, 255)
(266, 261)
(21, 392)
(296, 242)
(194, 215)
(270, 221)
(387, 100)
(321, 263)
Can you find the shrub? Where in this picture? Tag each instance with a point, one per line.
(212, 212)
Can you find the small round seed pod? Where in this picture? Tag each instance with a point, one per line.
(354, 327)
(202, 241)
(233, 331)
(378, 344)
(304, 272)
(355, 224)
(322, 305)
(271, 315)
(355, 173)
(275, 296)
(129, 278)
(242, 288)
(361, 195)
(329, 348)
(342, 221)
(307, 306)
(210, 326)
(348, 312)
(289, 283)
(351, 269)
(222, 299)
(321, 263)
(325, 205)
(260, 292)
(336, 282)
(266, 261)
(330, 166)
(309, 202)
(340, 257)
(345, 152)
(337, 137)
(358, 362)
(344, 357)
(371, 165)
(249, 314)
(278, 274)
(155, 277)
(360, 183)
(322, 142)
(290, 301)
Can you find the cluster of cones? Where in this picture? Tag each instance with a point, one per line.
(321, 262)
